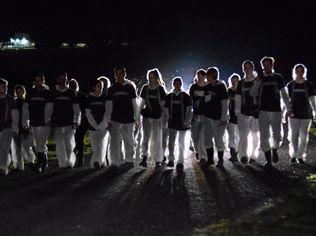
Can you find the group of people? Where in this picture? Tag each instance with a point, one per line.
(151, 122)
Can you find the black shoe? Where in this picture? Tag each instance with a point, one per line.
(293, 160)
(268, 157)
(197, 156)
(179, 168)
(164, 160)
(37, 167)
(170, 164)
(252, 161)
(143, 163)
(275, 156)
(233, 155)
(44, 166)
(203, 163)
(244, 160)
(268, 166)
(233, 158)
(210, 156)
(96, 165)
(220, 155)
(301, 161)
(158, 165)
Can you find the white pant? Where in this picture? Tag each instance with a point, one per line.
(212, 129)
(5, 142)
(233, 136)
(165, 134)
(125, 132)
(270, 127)
(299, 135)
(197, 135)
(171, 144)
(41, 135)
(65, 144)
(21, 148)
(98, 144)
(248, 126)
(152, 133)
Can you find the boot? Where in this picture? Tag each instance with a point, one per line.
(210, 156)
(268, 165)
(220, 155)
(275, 156)
(233, 155)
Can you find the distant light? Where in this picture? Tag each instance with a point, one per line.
(64, 45)
(24, 42)
(81, 45)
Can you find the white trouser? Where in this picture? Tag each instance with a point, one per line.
(98, 144)
(270, 127)
(21, 148)
(213, 129)
(248, 126)
(119, 132)
(233, 136)
(299, 135)
(40, 135)
(173, 133)
(65, 144)
(197, 135)
(5, 142)
(152, 133)
(165, 134)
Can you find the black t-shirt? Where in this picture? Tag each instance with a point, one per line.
(63, 114)
(269, 92)
(197, 93)
(97, 107)
(249, 104)
(231, 95)
(152, 97)
(177, 106)
(37, 100)
(214, 94)
(7, 104)
(122, 98)
(299, 96)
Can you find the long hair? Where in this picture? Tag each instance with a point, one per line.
(105, 80)
(18, 86)
(302, 66)
(157, 75)
(199, 71)
(235, 75)
(254, 72)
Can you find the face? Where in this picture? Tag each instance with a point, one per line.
(19, 93)
(98, 88)
(201, 78)
(267, 66)
(235, 82)
(248, 69)
(38, 82)
(152, 79)
(299, 72)
(211, 78)
(61, 79)
(120, 75)
(177, 85)
(3, 89)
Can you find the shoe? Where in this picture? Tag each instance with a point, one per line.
(293, 160)
(170, 164)
(268, 166)
(220, 155)
(164, 160)
(44, 166)
(197, 156)
(233, 155)
(233, 159)
(210, 156)
(96, 165)
(158, 165)
(244, 160)
(252, 161)
(301, 161)
(143, 163)
(275, 156)
(179, 168)
(203, 163)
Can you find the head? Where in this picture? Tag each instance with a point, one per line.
(248, 67)
(233, 80)
(19, 91)
(299, 71)
(154, 77)
(73, 84)
(200, 76)
(38, 80)
(119, 73)
(177, 83)
(61, 78)
(267, 65)
(3, 87)
(105, 80)
(96, 86)
(212, 74)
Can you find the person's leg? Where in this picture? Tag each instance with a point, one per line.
(181, 143)
(200, 143)
(276, 126)
(29, 155)
(254, 131)
(146, 127)
(305, 125)
(264, 128)
(61, 152)
(70, 144)
(156, 140)
(244, 129)
(5, 140)
(294, 137)
(209, 131)
(195, 125)
(115, 143)
(220, 140)
(129, 141)
(171, 144)
(16, 152)
(79, 139)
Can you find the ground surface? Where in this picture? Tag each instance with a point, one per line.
(237, 200)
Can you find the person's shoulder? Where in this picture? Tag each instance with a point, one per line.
(278, 75)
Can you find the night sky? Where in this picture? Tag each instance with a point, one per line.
(175, 34)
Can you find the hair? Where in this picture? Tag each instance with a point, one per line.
(199, 71)
(64, 73)
(233, 76)
(255, 74)
(3, 82)
(212, 70)
(39, 75)
(302, 66)
(122, 68)
(74, 82)
(177, 79)
(94, 83)
(157, 74)
(105, 80)
(266, 58)
(18, 86)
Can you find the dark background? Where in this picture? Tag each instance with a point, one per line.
(177, 37)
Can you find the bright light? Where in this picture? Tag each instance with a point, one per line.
(24, 42)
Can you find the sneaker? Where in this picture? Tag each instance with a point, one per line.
(301, 161)
(252, 161)
(244, 160)
(275, 156)
(170, 164)
(96, 165)
(293, 160)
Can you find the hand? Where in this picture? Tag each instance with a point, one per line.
(222, 123)
(289, 114)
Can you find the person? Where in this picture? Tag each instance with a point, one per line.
(152, 102)
(232, 128)
(9, 125)
(96, 115)
(82, 130)
(216, 117)
(268, 87)
(178, 108)
(246, 108)
(65, 119)
(21, 147)
(302, 98)
(196, 92)
(121, 107)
